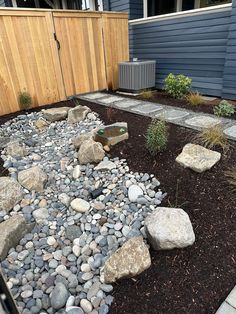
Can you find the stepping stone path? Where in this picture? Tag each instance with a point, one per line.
(229, 305)
(186, 118)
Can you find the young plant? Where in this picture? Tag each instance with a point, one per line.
(195, 99)
(76, 102)
(25, 100)
(213, 137)
(177, 85)
(157, 136)
(110, 112)
(147, 94)
(224, 109)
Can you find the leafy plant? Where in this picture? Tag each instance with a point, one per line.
(213, 137)
(147, 94)
(25, 100)
(157, 136)
(231, 176)
(76, 102)
(194, 99)
(177, 85)
(224, 109)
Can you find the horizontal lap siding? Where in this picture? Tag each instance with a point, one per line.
(133, 7)
(229, 79)
(194, 46)
(2, 3)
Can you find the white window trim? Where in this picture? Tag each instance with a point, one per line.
(178, 7)
(217, 8)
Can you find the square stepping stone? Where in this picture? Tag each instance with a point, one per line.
(231, 299)
(202, 122)
(225, 308)
(147, 108)
(126, 104)
(231, 132)
(110, 99)
(198, 158)
(95, 95)
(173, 114)
(208, 98)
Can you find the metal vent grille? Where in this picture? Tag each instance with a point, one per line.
(137, 75)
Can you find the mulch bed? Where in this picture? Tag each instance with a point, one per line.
(192, 280)
(161, 97)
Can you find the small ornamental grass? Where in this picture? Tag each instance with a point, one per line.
(224, 109)
(195, 99)
(25, 100)
(148, 94)
(177, 85)
(157, 136)
(76, 102)
(213, 137)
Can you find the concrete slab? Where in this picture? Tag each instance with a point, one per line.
(202, 122)
(231, 131)
(111, 99)
(208, 98)
(172, 114)
(226, 308)
(126, 104)
(147, 108)
(95, 95)
(231, 299)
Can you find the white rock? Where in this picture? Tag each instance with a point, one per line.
(134, 192)
(76, 250)
(60, 269)
(80, 205)
(76, 172)
(105, 165)
(40, 215)
(51, 241)
(64, 199)
(86, 306)
(198, 158)
(169, 228)
(70, 301)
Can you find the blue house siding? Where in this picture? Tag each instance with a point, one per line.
(200, 46)
(229, 78)
(133, 7)
(2, 3)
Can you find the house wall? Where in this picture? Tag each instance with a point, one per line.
(2, 3)
(200, 45)
(133, 7)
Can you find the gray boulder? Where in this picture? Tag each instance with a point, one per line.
(78, 140)
(90, 151)
(10, 193)
(15, 149)
(33, 179)
(77, 114)
(56, 114)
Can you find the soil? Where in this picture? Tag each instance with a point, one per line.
(195, 280)
(161, 97)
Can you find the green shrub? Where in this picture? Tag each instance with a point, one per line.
(25, 100)
(224, 109)
(157, 136)
(177, 85)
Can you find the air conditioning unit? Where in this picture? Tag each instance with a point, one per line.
(135, 76)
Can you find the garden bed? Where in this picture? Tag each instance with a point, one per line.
(196, 279)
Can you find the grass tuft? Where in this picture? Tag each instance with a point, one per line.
(149, 94)
(195, 99)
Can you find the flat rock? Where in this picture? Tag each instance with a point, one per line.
(90, 152)
(11, 193)
(80, 205)
(111, 140)
(105, 165)
(173, 114)
(202, 122)
(198, 158)
(77, 114)
(128, 261)
(78, 140)
(126, 104)
(15, 149)
(41, 124)
(94, 95)
(169, 228)
(33, 179)
(12, 230)
(111, 99)
(147, 108)
(55, 114)
(134, 192)
(231, 132)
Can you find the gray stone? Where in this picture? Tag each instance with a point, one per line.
(147, 108)
(93, 290)
(10, 193)
(77, 114)
(128, 261)
(128, 103)
(55, 114)
(169, 228)
(202, 121)
(74, 310)
(231, 132)
(172, 114)
(95, 95)
(90, 151)
(80, 205)
(41, 215)
(86, 305)
(14, 149)
(73, 232)
(134, 192)
(231, 299)
(78, 140)
(33, 179)
(198, 158)
(226, 308)
(111, 99)
(105, 165)
(59, 296)
(12, 230)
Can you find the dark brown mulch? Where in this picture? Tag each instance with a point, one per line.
(161, 97)
(196, 279)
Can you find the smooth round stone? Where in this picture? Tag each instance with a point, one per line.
(26, 294)
(60, 269)
(76, 250)
(74, 310)
(57, 255)
(22, 255)
(59, 296)
(85, 268)
(118, 226)
(80, 205)
(97, 216)
(87, 276)
(53, 263)
(70, 301)
(134, 192)
(51, 241)
(86, 306)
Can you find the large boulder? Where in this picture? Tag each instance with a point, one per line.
(15, 149)
(33, 179)
(112, 134)
(56, 114)
(90, 151)
(12, 230)
(128, 261)
(198, 158)
(78, 140)
(169, 228)
(77, 114)
(10, 193)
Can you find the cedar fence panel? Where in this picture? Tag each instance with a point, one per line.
(90, 46)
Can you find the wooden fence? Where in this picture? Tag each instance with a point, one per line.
(53, 54)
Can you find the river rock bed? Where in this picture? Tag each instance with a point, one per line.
(58, 266)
